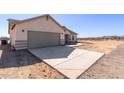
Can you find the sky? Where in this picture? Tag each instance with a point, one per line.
(86, 25)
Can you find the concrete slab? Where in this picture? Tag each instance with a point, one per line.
(75, 45)
(80, 62)
(75, 67)
(0, 53)
(72, 74)
(56, 55)
(69, 61)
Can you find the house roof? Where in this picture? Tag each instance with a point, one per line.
(25, 20)
(13, 21)
(65, 28)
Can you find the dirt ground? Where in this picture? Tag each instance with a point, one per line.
(111, 66)
(23, 65)
(104, 46)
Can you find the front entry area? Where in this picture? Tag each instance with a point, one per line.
(67, 38)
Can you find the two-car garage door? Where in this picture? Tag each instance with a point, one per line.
(42, 39)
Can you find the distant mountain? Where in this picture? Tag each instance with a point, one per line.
(103, 37)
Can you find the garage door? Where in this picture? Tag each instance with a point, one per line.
(42, 39)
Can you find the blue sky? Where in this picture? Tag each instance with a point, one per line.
(86, 25)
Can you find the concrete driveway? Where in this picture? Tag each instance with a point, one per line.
(69, 61)
(0, 53)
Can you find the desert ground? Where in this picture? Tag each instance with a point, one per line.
(111, 66)
(104, 46)
(23, 65)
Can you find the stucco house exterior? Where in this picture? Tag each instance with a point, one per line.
(41, 31)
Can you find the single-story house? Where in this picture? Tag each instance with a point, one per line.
(41, 31)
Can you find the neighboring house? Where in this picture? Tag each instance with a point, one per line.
(4, 40)
(37, 32)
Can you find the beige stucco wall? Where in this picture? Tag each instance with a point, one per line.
(40, 24)
(12, 36)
